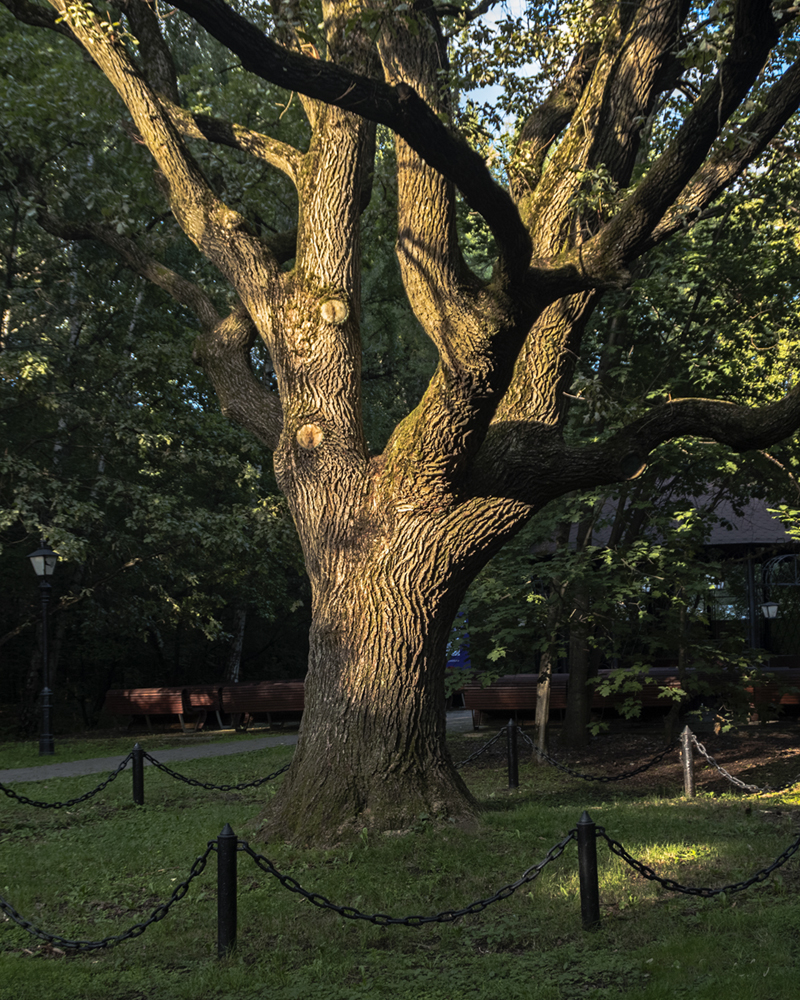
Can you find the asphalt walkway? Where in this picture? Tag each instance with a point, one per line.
(457, 721)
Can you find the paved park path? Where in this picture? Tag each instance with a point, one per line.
(458, 721)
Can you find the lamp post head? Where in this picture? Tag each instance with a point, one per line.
(43, 561)
(770, 609)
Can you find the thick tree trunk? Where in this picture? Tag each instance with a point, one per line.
(372, 752)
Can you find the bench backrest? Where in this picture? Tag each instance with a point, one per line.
(145, 701)
(203, 697)
(264, 696)
(515, 692)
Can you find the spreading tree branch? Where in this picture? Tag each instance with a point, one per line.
(749, 141)
(38, 17)
(130, 253)
(223, 347)
(529, 463)
(224, 353)
(398, 107)
(743, 428)
(159, 68)
(628, 233)
(544, 125)
(280, 155)
(219, 232)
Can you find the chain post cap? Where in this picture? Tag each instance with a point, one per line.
(227, 832)
(586, 819)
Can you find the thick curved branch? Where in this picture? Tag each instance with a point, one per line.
(153, 50)
(224, 353)
(38, 17)
(183, 291)
(223, 347)
(127, 251)
(742, 428)
(436, 281)
(530, 463)
(606, 124)
(277, 154)
(399, 108)
(219, 232)
(544, 125)
(160, 74)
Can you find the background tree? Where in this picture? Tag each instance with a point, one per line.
(656, 108)
(167, 516)
(154, 502)
(717, 305)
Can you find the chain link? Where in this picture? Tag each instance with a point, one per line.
(72, 802)
(382, 919)
(673, 886)
(737, 781)
(598, 777)
(132, 932)
(206, 784)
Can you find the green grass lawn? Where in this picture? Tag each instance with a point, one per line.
(104, 865)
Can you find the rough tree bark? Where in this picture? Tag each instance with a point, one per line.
(392, 541)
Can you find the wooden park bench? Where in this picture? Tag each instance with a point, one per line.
(782, 688)
(651, 694)
(277, 700)
(147, 702)
(512, 695)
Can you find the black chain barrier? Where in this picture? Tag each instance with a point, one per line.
(207, 784)
(382, 919)
(598, 777)
(585, 834)
(754, 789)
(667, 883)
(132, 932)
(480, 750)
(767, 789)
(24, 800)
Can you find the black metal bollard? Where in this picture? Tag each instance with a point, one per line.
(513, 763)
(687, 759)
(227, 849)
(138, 775)
(587, 869)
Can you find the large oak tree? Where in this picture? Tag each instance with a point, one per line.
(657, 109)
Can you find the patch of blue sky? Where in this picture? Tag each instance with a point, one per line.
(498, 121)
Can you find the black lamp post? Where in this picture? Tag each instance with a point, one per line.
(769, 609)
(44, 562)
